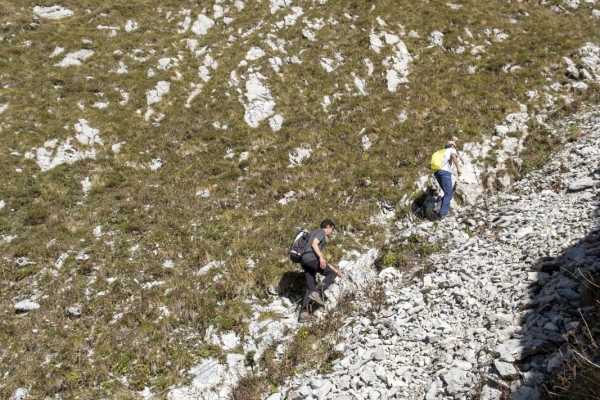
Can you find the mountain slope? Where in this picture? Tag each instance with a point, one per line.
(157, 157)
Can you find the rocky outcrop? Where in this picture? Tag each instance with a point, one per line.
(493, 314)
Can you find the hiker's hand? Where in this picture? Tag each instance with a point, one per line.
(323, 263)
(459, 172)
(339, 274)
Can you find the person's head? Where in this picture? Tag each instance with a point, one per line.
(450, 144)
(327, 225)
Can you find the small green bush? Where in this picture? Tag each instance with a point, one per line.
(114, 179)
(390, 260)
(24, 272)
(4, 225)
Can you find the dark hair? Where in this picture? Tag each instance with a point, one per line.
(326, 223)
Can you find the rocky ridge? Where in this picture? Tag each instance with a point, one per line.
(489, 315)
(494, 310)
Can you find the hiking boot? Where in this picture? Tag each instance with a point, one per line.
(316, 297)
(305, 316)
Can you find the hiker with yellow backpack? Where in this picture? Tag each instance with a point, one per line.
(441, 166)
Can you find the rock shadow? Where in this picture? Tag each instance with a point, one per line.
(562, 306)
(423, 207)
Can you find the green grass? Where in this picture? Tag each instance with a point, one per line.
(157, 212)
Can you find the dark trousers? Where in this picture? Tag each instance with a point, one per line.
(444, 179)
(311, 269)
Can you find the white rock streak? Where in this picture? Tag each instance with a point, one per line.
(122, 69)
(47, 158)
(203, 71)
(54, 12)
(366, 143)
(130, 26)
(260, 104)
(75, 58)
(155, 95)
(326, 102)
(167, 63)
(202, 25)
(298, 155)
(20, 394)
(86, 134)
(590, 60)
(360, 84)
(276, 122)
(65, 154)
(376, 43)
(254, 53)
(276, 5)
(57, 50)
(399, 63)
(197, 90)
(290, 19)
(436, 38)
(26, 305)
(113, 29)
(86, 185)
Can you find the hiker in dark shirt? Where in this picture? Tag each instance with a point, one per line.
(313, 262)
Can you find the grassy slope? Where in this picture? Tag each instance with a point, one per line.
(158, 210)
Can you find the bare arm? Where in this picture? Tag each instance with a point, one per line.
(317, 251)
(322, 261)
(337, 272)
(455, 159)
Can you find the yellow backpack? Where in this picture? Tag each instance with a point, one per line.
(437, 160)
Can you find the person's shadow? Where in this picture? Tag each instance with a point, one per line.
(292, 285)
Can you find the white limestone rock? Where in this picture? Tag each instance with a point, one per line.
(75, 58)
(399, 62)
(209, 266)
(229, 341)
(436, 38)
(130, 26)
(74, 311)
(26, 305)
(47, 158)
(202, 25)
(298, 155)
(20, 394)
(275, 122)
(366, 142)
(506, 370)
(259, 104)
(53, 12)
(57, 51)
(254, 53)
(583, 184)
(86, 185)
(86, 134)
(155, 95)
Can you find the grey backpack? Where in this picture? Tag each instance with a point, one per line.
(298, 246)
